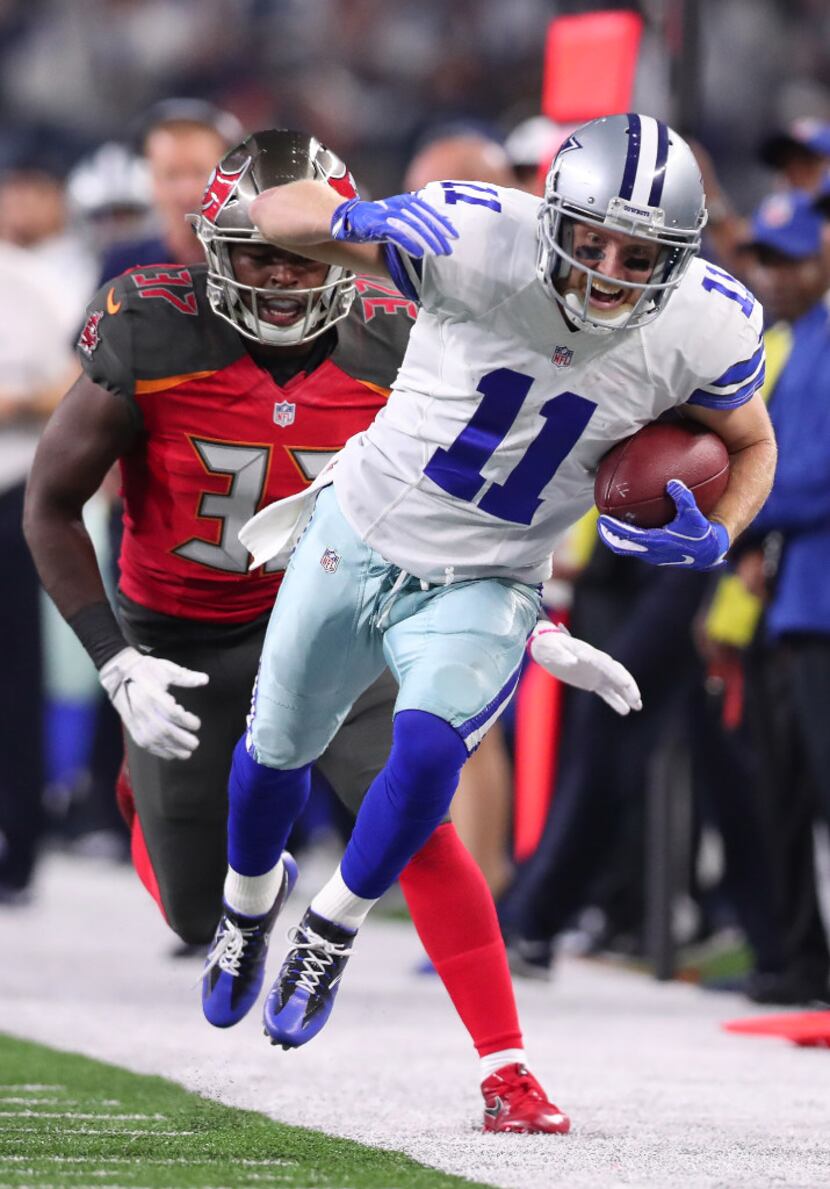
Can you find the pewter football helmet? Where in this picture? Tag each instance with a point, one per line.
(263, 160)
(631, 174)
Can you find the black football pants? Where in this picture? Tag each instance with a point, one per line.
(182, 805)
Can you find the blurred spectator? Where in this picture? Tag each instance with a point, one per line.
(35, 367)
(462, 156)
(92, 64)
(109, 197)
(182, 139)
(34, 216)
(531, 146)
(800, 153)
(642, 617)
(791, 272)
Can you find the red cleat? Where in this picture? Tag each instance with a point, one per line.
(515, 1102)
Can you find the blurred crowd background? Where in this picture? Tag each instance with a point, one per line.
(691, 825)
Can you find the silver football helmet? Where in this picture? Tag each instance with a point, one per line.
(630, 174)
(263, 160)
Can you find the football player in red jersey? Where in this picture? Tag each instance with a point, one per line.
(219, 389)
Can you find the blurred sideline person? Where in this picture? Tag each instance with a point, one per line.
(109, 197)
(791, 263)
(799, 153)
(543, 336)
(181, 141)
(481, 808)
(642, 617)
(800, 157)
(464, 155)
(216, 388)
(531, 146)
(36, 364)
(34, 216)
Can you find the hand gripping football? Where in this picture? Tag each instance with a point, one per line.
(631, 478)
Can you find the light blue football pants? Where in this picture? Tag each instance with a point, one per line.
(344, 613)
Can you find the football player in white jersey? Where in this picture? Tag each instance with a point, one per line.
(546, 333)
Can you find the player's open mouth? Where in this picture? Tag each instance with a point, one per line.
(607, 295)
(280, 311)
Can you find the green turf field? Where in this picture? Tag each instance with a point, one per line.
(66, 1121)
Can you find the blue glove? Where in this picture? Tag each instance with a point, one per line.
(405, 220)
(689, 540)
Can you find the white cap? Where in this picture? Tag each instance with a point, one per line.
(535, 140)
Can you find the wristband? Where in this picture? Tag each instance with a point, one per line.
(98, 630)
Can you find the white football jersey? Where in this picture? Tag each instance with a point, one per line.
(487, 449)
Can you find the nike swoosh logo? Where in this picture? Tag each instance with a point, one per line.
(113, 306)
(495, 1110)
(685, 560)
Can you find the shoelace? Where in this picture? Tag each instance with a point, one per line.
(228, 952)
(517, 1092)
(320, 955)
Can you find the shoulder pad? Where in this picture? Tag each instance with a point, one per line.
(152, 322)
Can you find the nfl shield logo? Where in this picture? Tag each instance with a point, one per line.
(330, 560)
(562, 357)
(284, 414)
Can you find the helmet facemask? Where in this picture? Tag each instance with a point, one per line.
(239, 304)
(555, 260)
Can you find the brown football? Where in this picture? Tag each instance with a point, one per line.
(631, 478)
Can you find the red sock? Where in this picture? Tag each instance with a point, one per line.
(455, 917)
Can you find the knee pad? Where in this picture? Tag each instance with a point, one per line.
(426, 758)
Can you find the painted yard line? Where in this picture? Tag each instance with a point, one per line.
(32, 1086)
(155, 1160)
(74, 1115)
(103, 1185)
(120, 1131)
(37, 1101)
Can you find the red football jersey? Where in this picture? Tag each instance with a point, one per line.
(221, 438)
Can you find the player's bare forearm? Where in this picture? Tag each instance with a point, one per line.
(750, 440)
(298, 215)
(85, 435)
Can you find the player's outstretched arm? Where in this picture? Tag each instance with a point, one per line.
(88, 432)
(311, 219)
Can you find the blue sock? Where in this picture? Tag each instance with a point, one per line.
(405, 802)
(262, 805)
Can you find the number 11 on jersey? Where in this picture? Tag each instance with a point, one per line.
(458, 469)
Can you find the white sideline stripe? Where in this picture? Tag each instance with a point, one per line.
(33, 1086)
(73, 1115)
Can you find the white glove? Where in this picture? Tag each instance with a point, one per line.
(137, 687)
(580, 664)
